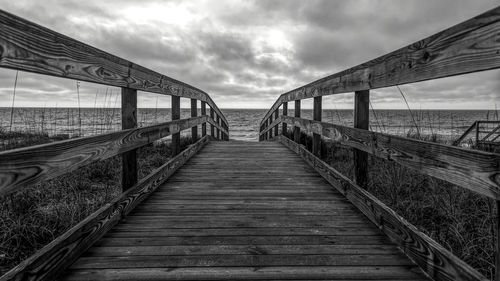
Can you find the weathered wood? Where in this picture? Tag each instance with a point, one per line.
(203, 113)
(470, 46)
(435, 260)
(284, 130)
(471, 169)
(47, 263)
(250, 273)
(27, 166)
(212, 126)
(208, 221)
(361, 121)
(176, 115)
(29, 47)
(194, 113)
(217, 126)
(276, 116)
(217, 122)
(296, 130)
(129, 121)
(317, 111)
(264, 133)
(270, 132)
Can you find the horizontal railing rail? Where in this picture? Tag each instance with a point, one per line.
(26, 46)
(30, 165)
(470, 46)
(52, 259)
(30, 47)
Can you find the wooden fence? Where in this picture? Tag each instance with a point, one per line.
(29, 47)
(471, 46)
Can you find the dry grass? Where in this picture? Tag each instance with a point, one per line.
(460, 220)
(34, 216)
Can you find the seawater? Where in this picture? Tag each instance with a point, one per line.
(243, 123)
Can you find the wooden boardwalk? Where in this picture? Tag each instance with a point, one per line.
(243, 210)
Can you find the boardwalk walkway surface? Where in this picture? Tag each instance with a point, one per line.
(244, 210)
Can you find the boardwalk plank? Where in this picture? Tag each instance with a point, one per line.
(238, 211)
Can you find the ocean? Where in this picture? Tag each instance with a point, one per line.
(243, 123)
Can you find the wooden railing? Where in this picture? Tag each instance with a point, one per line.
(486, 135)
(29, 47)
(471, 46)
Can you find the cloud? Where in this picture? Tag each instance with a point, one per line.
(246, 53)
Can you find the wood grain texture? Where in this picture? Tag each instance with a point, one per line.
(203, 112)
(471, 169)
(470, 46)
(361, 121)
(296, 129)
(194, 113)
(29, 47)
(275, 123)
(175, 114)
(182, 229)
(47, 263)
(27, 166)
(435, 260)
(129, 121)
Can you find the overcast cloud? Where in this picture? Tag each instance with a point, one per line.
(247, 53)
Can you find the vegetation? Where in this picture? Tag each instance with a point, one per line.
(34, 216)
(460, 220)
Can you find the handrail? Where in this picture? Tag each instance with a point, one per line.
(52, 259)
(471, 169)
(26, 166)
(436, 261)
(30, 47)
(470, 46)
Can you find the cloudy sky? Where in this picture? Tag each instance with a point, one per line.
(246, 53)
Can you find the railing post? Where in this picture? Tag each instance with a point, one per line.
(270, 132)
(266, 135)
(361, 121)
(296, 130)
(203, 113)
(194, 113)
(316, 145)
(212, 127)
(218, 123)
(285, 112)
(176, 115)
(276, 115)
(129, 121)
(477, 133)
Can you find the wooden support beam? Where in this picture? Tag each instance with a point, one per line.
(276, 115)
(203, 113)
(218, 130)
(284, 130)
(472, 169)
(436, 261)
(212, 127)
(270, 132)
(176, 115)
(361, 121)
(129, 121)
(194, 113)
(54, 258)
(296, 130)
(317, 111)
(24, 167)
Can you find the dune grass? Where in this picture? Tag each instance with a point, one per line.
(458, 219)
(34, 216)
